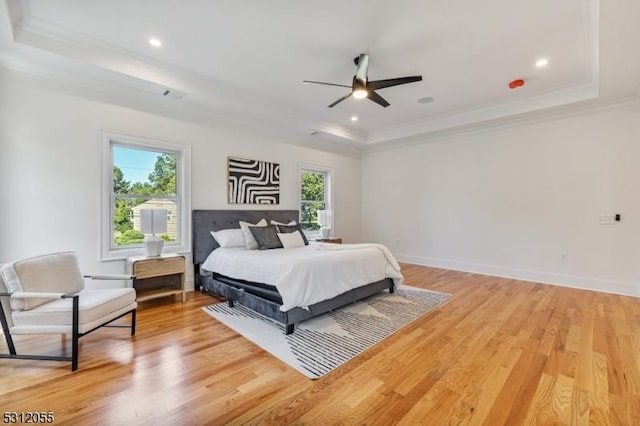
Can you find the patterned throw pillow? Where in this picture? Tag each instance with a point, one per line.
(249, 239)
(266, 237)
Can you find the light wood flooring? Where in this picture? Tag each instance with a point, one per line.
(499, 352)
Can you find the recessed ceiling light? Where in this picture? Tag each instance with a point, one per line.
(425, 100)
(541, 63)
(155, 42)
(354, 118)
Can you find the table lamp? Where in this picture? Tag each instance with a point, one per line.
(324, 220)
(153, 221)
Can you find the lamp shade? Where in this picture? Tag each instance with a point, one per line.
(324, 220)
(325, 217)
(153, 221)
(322, 217)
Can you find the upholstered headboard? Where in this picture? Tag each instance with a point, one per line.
(205, 221)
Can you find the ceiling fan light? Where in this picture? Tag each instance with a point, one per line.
(360, 93)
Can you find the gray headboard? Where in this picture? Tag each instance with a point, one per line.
(205, 221)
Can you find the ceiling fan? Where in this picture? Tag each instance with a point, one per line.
(362, 88)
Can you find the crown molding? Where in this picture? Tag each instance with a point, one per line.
(135, 72)
(105, 91)
(540, 116)
(577, 92)
(550, 99)
(148, 73)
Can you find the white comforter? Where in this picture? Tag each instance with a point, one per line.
(310, 274)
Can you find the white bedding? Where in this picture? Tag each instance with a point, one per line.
(309, 274)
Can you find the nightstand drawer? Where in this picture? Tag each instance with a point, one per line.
(158, 267)
(333, 240)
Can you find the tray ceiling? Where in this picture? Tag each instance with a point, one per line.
(245, 61)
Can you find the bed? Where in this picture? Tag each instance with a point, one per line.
(261, 297)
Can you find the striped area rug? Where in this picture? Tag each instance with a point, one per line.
(321, 344)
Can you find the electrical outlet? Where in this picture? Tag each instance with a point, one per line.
(606, 220)
(564, 257)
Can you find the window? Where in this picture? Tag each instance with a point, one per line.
(141, 174)
(315, 194)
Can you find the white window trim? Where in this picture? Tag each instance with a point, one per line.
(328, 192)
(183, 174)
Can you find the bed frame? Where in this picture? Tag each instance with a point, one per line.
(205, 221)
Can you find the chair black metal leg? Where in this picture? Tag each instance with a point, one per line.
(5, 329)
(289, 328)
(133, 322)
(75, 335)
(230, 303)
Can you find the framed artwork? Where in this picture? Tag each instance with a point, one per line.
(253, 182)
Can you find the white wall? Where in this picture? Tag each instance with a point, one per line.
(509, 202)
(506, 202)
(50, 170)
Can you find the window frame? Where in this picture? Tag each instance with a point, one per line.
(328, 193)
(108, 250)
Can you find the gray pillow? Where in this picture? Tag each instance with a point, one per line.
(287, 229)
(266, 237)
(250, 241)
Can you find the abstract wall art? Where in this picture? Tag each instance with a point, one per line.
(253, 182)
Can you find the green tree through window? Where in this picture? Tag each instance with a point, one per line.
(122, 214)
(313, 197)
(163, 177)
(157, 189)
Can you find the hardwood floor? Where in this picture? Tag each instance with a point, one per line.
(499, 352)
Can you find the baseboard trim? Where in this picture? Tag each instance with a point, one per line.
(564, 280)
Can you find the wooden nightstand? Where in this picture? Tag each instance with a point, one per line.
(157, 276)
(329, 240)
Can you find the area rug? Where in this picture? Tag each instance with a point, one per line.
(321, 344)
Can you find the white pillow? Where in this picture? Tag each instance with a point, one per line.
(275, 222)
(291, 239)
(229, 237)
(250, 242)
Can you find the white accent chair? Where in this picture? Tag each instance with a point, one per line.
(46, 295)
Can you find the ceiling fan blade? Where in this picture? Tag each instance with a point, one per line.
(339, 100)
(325, 84)
(381, 84)
(378, 99)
